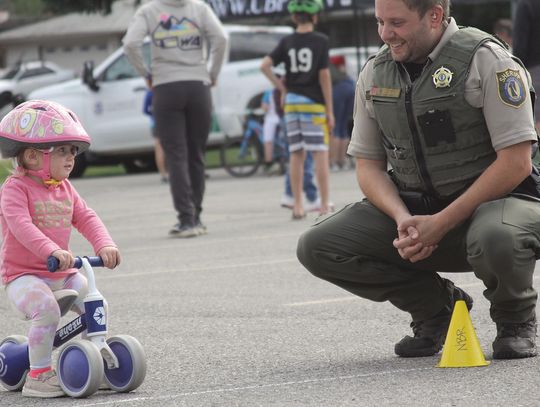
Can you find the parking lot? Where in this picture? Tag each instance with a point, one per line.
(232, 318)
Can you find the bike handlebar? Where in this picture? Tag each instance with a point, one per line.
(53, 263)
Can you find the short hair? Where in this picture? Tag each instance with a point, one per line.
(423, 6)
(303, 18)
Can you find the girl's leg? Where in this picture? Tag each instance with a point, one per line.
(269, 133)
(32, 297)
(334, 150)
(160, 159)
(322, 174)
(198, 119)
(268, 152)
(296, 171)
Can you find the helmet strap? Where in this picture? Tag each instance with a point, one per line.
(44, 173)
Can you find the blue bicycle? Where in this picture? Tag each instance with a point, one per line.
(242, 156)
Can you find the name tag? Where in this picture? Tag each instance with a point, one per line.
(384, 92)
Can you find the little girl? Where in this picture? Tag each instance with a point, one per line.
(38, 207)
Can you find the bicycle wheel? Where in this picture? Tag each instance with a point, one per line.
(80, 368)
(241, 161)
(132, 364)
(14, 363)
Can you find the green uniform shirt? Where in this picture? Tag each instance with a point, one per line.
(507, 124)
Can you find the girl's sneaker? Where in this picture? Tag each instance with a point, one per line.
(45, 386)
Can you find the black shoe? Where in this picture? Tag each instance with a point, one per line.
(515, 340)
(430, 334)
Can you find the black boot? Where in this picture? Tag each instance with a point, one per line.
(430, 334)
(515, 340)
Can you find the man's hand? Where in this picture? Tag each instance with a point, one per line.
(418, 236)
(110, 256)
(409, 250)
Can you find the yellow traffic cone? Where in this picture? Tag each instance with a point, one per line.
(461, 348)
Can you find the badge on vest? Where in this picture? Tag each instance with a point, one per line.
(442, 77)
(511, 88)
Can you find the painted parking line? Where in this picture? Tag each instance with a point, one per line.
(200, 269)
(172, 242)
(226, 389)
(326, 301)
(354, 297)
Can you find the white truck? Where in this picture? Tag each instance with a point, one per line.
(109, 99)
(24, 77)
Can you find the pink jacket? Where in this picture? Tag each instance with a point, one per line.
(37, 220)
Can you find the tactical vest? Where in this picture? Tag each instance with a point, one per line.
(435, 141)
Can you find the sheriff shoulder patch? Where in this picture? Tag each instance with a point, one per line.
(511, 88)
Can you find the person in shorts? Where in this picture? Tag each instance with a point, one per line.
(307, 98)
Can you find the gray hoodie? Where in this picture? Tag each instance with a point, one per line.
(184, 35)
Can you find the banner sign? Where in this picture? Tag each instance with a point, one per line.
(235, 9)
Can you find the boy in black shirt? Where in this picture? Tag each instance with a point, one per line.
(307, 98)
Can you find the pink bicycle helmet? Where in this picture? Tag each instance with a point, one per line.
(40, 124)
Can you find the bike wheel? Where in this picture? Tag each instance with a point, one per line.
(131, 369)
(80, 368)
(14, 363)
(241, 161)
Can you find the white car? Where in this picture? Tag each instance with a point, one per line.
(109, 99)
(24, 77)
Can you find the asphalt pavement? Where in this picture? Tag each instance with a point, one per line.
(232, 318)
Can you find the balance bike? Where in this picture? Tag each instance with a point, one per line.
(83, 365)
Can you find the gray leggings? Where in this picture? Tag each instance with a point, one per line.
(182, 111)
(33, 299)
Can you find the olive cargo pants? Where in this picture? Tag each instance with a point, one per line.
(500, 243)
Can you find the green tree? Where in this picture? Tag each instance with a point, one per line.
(88, 6)
(29, 8)
(69, 6)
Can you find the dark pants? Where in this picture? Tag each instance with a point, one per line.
(310, 189)
(182, 111)
(500, 243)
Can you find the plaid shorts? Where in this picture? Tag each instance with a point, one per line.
(306, 124)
